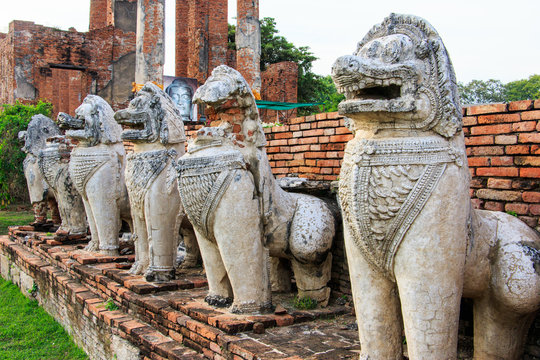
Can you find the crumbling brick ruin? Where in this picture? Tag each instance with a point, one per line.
(39, 62)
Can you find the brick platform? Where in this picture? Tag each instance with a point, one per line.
(164, 320)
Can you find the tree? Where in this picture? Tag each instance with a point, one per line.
(15, 118)
(523, 89)
(276, 48)
(482, 92)
(494, 91)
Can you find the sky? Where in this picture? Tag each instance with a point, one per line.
(486, 39)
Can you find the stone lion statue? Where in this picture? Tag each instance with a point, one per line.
(239, 212)
(414, 245)
(34, 139)
(97, 169)
(154, 125)
(53, 162)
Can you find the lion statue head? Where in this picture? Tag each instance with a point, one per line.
(401, 77)
(152, 116)
(93, 123)
(35, 137)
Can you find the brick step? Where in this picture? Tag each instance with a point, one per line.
(177, 310)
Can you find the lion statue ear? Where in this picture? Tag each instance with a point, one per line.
(155, 100)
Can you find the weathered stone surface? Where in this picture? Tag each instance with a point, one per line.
(150, 54)
(404, 192)
(232, 199)
(34, 140)
(154, 125)
(97, 169)
(53, 162)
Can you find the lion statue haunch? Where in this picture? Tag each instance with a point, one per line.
(154, 125)
(34, 139)
(239, 212)
(53, 161)
(413, 243)
(97, 170)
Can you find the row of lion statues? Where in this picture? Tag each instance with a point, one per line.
(414, 244)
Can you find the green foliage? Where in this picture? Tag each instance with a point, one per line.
(13, 119)
(111, 305)
(511, 212)
(526, 89)
(33, 290)
(27, 332)
(482, 92)
(304, 303)
(494, 91)
(312, 88)
(11, 218)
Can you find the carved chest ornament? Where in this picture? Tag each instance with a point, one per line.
(202, 183)
(383, 187)
(85, 164)
(143, 168)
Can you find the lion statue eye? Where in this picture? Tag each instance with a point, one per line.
(392, 51)
(373, 50)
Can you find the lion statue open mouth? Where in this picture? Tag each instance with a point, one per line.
(414, 244)
(97, 168)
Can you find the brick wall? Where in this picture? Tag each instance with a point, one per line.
(503, 144)
(280, 83)
(201, 37)
(38, 62)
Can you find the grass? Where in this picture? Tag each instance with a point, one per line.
(27, 332)
(12, 217)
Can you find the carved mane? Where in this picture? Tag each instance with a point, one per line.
(442, 80)
(39, 129)
(109, 131)
(168, 116)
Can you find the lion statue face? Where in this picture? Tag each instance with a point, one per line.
(39, 130)
(93, 123)
(400, 77)
(151, 117)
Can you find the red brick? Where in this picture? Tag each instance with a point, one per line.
(342, 130)
(537, 104)
(502, 171)
(315, 155)
(312, 140)
(321, 116)
(498, 118)
(534, 209)
(284, 320)
(535, 149)
(328, 132)
(502, 161)
(530, 115)
(530, 172)
(527, 160)
(470, 120)
(524, 126)
(341, 138)
(531, 196)
(328, 163)
(491, 129)
(531, 221)
(478, 161)
(517, 149)
(520, 105)
(324, 139)
(283, 136)
(496, 183)
(297, 134)
(502, 195)
(479, 140)
(493, 206)
(283, 156)
(505, 139)
(328, 124)
(518, 208)
(305, 126)
(486, 109)
(487, 150)
(532, 138)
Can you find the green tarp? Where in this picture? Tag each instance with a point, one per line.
(275, 105)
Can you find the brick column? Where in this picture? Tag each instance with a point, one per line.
(181, 38)
(150, 54)
(101, 14)
(248, 42)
